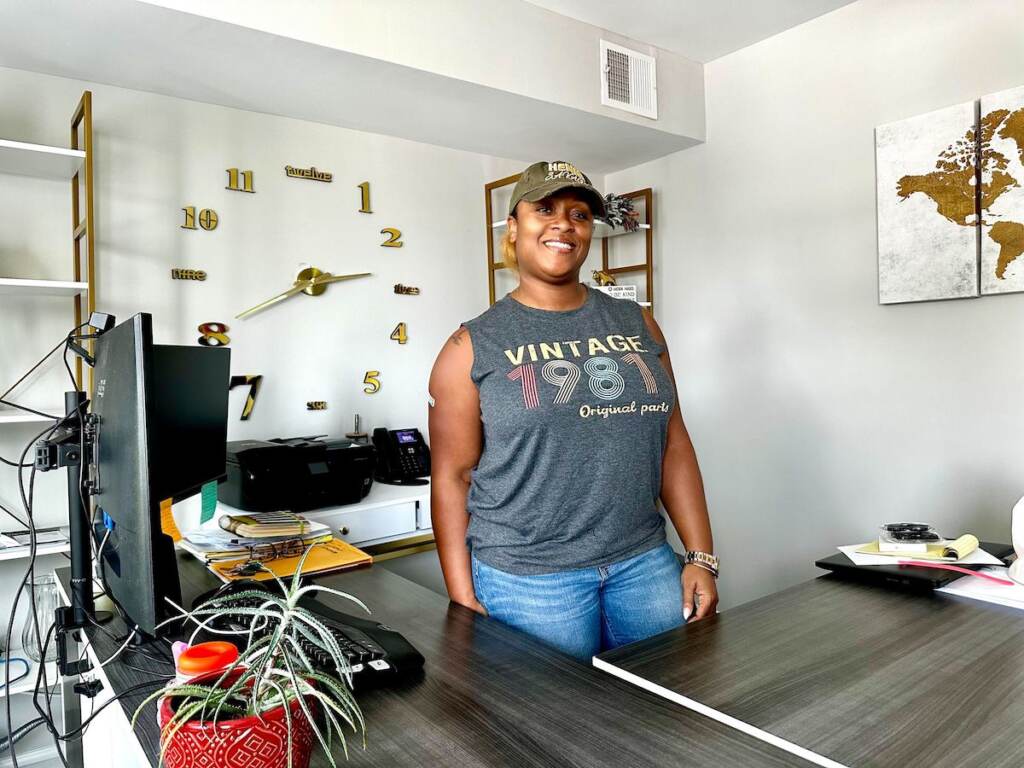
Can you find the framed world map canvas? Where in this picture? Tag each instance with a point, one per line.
(927, 220)
(1002, 192)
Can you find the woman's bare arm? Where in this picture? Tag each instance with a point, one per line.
(682, 494)
(456, 440)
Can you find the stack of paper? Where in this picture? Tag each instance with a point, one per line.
(989, 591)
(265, 525)
(333, 555)
(212, 544)
(862, 554)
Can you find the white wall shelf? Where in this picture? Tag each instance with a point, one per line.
(37, 160)
(27, 684)
(10, 286)
(15, 416)
(20, 553)
(32, 757)
(72, 166)
(601, 230)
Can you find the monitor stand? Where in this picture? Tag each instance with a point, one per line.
(64, 449)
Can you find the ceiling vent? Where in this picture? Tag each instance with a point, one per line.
(628, 81)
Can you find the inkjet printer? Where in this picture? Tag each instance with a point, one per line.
(296, 473)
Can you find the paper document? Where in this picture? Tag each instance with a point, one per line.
(977, 557)
(990, 592)
(324, 558)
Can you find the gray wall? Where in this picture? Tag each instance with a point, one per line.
(818, 414)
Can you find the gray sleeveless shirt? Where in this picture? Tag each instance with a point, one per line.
(575, 408)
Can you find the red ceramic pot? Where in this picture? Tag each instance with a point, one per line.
(247, 742)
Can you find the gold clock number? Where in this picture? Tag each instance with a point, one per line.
(207, 218)
(233, 181)
(394, 238)
(253, 382)
(364, 206)
(399, 334)
(214, 335)
(373, 381)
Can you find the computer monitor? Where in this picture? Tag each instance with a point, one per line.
(160, 433)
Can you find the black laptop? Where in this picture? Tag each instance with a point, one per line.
(911, 577)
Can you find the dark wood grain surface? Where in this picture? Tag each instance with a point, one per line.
(857, 673)
(489, 696)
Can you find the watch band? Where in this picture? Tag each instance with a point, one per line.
(704, 560)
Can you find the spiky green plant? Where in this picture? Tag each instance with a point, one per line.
(272, 670)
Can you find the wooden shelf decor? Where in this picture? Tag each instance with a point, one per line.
(647, 228)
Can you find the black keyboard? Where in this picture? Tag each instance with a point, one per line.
(378, 654)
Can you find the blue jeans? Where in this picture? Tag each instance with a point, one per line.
(585, 611)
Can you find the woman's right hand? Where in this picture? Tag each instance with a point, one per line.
(473, 604)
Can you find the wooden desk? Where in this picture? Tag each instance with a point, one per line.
(857, 674)
(489, 696)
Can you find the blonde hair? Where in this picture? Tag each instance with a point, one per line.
(508, 251)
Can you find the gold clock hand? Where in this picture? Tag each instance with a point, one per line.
(298, 287)
(329, 278)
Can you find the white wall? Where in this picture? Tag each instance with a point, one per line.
(155, 154)
(816, 413)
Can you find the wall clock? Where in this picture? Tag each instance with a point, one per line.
(310, 281)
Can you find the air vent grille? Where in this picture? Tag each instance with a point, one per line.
(628, 80)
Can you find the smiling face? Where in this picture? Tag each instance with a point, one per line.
(552, 236)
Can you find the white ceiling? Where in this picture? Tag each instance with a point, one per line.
(150, 48)
(701, 30)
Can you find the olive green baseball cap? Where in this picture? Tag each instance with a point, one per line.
(547, 177)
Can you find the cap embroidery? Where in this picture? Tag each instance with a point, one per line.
(561, 170)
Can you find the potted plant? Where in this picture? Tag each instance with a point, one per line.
(272, 706)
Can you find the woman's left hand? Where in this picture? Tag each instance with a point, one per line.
(698, 587)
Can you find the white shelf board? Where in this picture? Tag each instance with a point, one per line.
(16, 286)
(14, 416)
(37, 160)
(27, 684)
(601, 230)
(33, 757)
(21, 553)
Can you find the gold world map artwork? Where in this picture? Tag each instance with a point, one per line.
(952, 186)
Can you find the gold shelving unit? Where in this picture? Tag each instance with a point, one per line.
(492, 225)
(82, 227)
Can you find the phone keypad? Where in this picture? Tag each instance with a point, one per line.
(412, 464)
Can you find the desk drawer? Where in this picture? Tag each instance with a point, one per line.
(371, 524)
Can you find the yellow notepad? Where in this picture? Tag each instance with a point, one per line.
(948, 552)
(333, 555)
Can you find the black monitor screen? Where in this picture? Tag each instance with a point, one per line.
(161, 433)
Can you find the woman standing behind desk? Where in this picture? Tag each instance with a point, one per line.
(554, 430)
